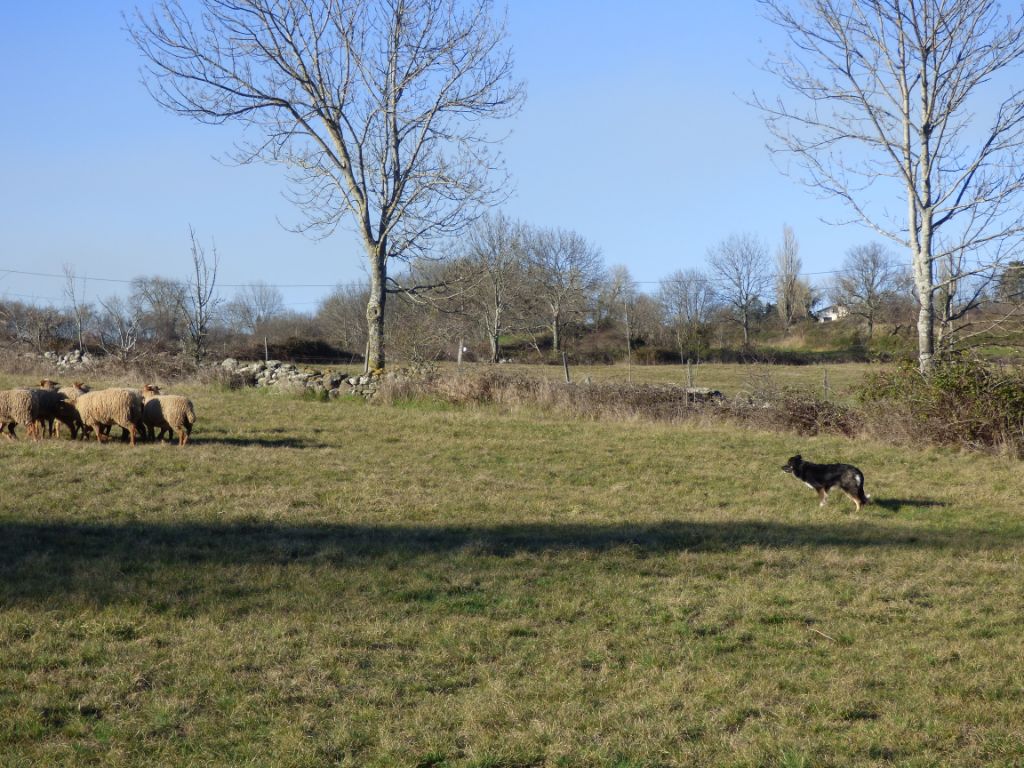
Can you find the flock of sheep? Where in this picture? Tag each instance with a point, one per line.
(82, 410)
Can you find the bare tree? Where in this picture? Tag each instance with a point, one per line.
(1010, 283)
(343, 317)
(198, 300)
(869, 278)
(43, 328)
(376, 107)
(118, 328)
(793, 296)
(159, 303)
(687, 299)
(564, 274)
(888, 94)
(80, 310)
(496, 261)
(617, 289)
(253, 306)
(741, 272)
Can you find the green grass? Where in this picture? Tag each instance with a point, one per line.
(316, 584)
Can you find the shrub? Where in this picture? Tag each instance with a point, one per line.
(964, 401)
(796, 409)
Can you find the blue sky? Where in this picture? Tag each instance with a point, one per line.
(634, 134)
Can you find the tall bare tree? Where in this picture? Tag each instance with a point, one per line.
(742, 275)
(687, 300)
(496, 260)
(159, 301)
(869, 278)
(792, 295)
(253, 306)
(565, 272)
(1010, 283)
(375, 107)
(198, 300)
(342, 314)
(888, 95)
(118, 327)
(618, 289)
(77, 305)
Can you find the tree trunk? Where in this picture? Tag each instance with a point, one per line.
(924, 282)
(494, 347)
(493, 334)
(375, 310)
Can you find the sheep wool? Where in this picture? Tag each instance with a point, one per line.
(169, 413)
(72, 392)
(66, 413)
(109, 407)
(18, 406)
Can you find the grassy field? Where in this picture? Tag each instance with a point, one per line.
(314, 584)
(729, 378)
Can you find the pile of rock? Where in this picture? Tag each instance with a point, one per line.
(287, 377)
(74, 359)
(704, 395)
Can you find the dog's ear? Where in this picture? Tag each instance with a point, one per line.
(798, 457)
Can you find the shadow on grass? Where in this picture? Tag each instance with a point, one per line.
(261, 442)
(110, 562)
(895, 505)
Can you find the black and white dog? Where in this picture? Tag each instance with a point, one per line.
(824, 477)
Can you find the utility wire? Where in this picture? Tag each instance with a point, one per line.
(306, 285)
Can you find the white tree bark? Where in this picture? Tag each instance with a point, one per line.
(888, 94)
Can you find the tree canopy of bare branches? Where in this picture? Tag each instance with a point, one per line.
(793, 296)
(376, 108)
(199, 300)
(253, 306)
(687, 299)
(564, 272)
(888, 98)
(870, 277)
(742, 274)
(496, 257)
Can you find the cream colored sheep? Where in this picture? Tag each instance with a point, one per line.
(72, 392)
(68, 415)
(18, 406)
(107, 407)
(171, 413)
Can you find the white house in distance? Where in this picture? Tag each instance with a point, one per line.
(832, 313)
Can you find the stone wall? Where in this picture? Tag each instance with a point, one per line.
(287, 377)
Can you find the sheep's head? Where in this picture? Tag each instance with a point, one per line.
(150, 390)
(48, 384)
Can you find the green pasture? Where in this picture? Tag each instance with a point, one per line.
(334, 583)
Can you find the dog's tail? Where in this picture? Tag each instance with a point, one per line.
(865, 497)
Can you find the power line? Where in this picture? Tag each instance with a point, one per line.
(122, 281)
(86, 278)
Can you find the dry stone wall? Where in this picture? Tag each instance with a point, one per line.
(287, 377)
